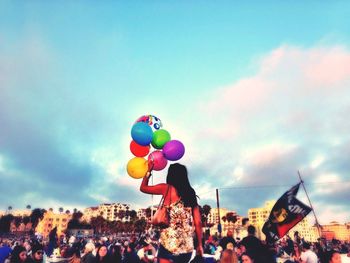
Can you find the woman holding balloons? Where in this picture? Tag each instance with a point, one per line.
(176, 241)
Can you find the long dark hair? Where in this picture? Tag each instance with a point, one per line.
(177, 177)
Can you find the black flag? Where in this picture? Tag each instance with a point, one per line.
(285, 214)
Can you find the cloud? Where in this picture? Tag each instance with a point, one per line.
(60, 135)
(289, 116)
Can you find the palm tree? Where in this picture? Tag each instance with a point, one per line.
(98, 223)
(26, 220)
(29, 207)
(37, 215)
(61, 210)
(121, 214)
(17, 221)
(231, 218)
(9, 209)
(206, 212)
(133, 215)
(140, 225)
(67, 212)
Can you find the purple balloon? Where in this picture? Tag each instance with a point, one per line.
(158, 160)
(173, 150)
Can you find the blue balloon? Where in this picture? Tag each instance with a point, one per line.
(142, 133)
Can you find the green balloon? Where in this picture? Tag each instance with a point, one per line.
(160, 138)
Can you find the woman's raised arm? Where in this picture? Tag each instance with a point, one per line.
(159, 189)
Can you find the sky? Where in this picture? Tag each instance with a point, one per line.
(255, 91)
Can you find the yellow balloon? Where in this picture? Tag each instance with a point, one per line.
(137, 167)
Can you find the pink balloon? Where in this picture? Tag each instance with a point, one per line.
(158, 160)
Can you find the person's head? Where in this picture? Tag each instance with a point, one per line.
(19, 254)
(251, 230)
(37, 253)
(101, 252)
(296, 247)
(228, 256)
(177, 177)
(27, 246)
(333, 257)
(306, 246)
(247, 258)
(245, 221)
(89, 247)
(240, 249)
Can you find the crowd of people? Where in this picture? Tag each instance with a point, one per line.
(181, 240)
(145, 248)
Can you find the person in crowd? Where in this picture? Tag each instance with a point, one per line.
(308, 256)
(37, 254)
(244, 228)
(88, 256)
(333, 257)
(228, 242)
(53, 242)
(102, 255)
(19, 255)
(5, 251)
(73, 254)
(252, 243)
(209, 245)
(228, 256)
(116, 253)
(176, 241)
(295, 254)
(288, 246)
(130, 255)
(247, 258)
(297, 238)
(147, 252)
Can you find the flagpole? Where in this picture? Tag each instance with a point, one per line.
(218, 207)
(313, 211)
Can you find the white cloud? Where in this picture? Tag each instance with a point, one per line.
(297, 101)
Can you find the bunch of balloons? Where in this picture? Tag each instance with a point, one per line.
(147, 131)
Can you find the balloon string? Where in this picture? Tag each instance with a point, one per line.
(152, 206)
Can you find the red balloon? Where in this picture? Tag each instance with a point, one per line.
(139, 150)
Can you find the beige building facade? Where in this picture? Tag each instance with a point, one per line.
(52, 220)
(337, 231)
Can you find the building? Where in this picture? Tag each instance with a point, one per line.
(337, 231)
(141, 213)
(52, 220)
(24, 212)
(213, 217)
(258, 216)
(213, 221)
(110, 212)
(89, 213)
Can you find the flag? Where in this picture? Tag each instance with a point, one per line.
(285, 214)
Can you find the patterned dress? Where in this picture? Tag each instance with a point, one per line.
(178, 237)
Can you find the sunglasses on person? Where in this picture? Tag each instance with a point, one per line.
(39, 252)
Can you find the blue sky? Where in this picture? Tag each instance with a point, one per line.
(255, 91)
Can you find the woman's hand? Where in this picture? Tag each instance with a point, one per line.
(199, 250)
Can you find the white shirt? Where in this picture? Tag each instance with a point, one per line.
(309, 256)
